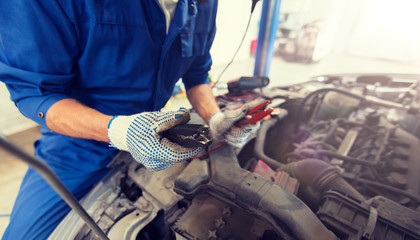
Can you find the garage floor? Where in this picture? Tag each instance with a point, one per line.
(23, 132)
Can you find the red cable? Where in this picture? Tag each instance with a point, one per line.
(206, 153)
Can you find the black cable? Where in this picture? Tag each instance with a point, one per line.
(347, 158)
(55, 183)
(254, 3)
(237, 50)
(378, 102)
(410, 195)
(312, 94)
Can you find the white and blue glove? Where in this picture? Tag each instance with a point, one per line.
(139, 135)
(223, 128)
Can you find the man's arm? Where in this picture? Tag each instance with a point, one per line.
(202, 100)
(137, 134)
(38, 52)
(71, 118)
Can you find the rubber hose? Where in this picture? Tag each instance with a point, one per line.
(260, 143)
(321, 176)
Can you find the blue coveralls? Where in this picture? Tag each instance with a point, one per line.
(111, 55)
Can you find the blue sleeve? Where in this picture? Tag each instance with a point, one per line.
(38, 51)
(198, 72)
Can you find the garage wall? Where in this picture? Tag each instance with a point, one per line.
(386, 29)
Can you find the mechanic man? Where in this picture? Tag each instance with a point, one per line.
(94, 75)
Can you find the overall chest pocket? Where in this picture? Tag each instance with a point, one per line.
(195, 35)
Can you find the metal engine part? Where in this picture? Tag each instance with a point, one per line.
(344, 165)
(373, 155)
(210, 218)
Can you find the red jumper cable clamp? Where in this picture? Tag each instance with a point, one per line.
(257, 113)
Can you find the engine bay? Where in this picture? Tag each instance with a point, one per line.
(337, 159)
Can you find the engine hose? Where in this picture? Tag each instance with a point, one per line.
(260, 143)
(321, 177)
(265, 199)
(320, 91)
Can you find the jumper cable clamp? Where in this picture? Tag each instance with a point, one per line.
(256, 113)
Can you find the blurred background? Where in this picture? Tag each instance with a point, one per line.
(314, 37)
(325, 36)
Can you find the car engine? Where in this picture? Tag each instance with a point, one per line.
(337, 159)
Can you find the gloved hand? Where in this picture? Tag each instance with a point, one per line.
(139, 135)
(222, 127)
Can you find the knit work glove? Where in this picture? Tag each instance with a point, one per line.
(222, 127)
(139, 135)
